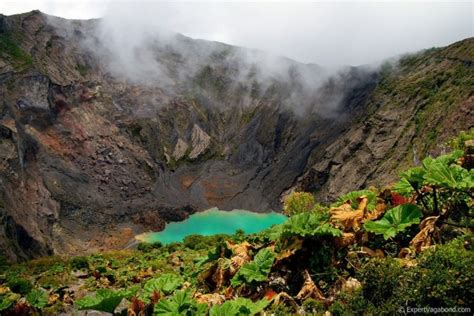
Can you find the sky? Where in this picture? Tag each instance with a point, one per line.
(326, 33)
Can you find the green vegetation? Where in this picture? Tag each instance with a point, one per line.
(9, 46)
(78, 263)
(104, 300)
(371, 252)
(256, 270)
(239, 306)
(82, 69)
(37, 298)
(298, 202)
(395, 220)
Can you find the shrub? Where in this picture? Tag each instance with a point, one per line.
(194, 242)
(460, 140)
(78, 263)
(298, 202)
(442, 277)
(147, 247)
(379, 278)
(20, 286)
(313, 307)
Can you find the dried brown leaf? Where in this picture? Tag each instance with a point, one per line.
(289, 250)
(424, 238)
(309, 289)
(53, 298)
(283, 296)
(404, 253)
(347, 217)
(210, 299)
(137, 307)
(377, 213)
(345, 240)
(371, 253)
(241, 255)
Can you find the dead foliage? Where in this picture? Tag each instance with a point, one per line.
(428, 232)
(309, 289)
(210, 299)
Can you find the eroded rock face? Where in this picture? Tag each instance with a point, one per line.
(200, 142)
(87, 159)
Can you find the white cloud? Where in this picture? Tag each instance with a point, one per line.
(327, 33)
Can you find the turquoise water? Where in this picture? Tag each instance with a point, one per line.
(213, 222)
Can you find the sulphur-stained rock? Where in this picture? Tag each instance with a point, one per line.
(200, 142)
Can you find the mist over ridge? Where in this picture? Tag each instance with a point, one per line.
(154, 57)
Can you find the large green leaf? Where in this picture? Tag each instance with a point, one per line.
(239, 306)
(37, 298)
(308, 224)
(450, 177)
(105, 300)
(6, 301)
(165, 283)
(181, 303)
(441, 172)
(395, 220)
(257, 270)
(403, 187)
(414, 177)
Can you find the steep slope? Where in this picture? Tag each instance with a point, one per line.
(417, 106)
(90, 156)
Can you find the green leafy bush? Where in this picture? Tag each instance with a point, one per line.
(379, 278)
(395, 220)
(196, 242)
(257, 270)
(37, 298)
(459, 141)
(439, 184)
(147, 247)
(78, 263)
(305, 225)
(441, 277)
(298, 202)
(19, 285)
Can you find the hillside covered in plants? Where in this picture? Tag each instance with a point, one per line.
(374, 251)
